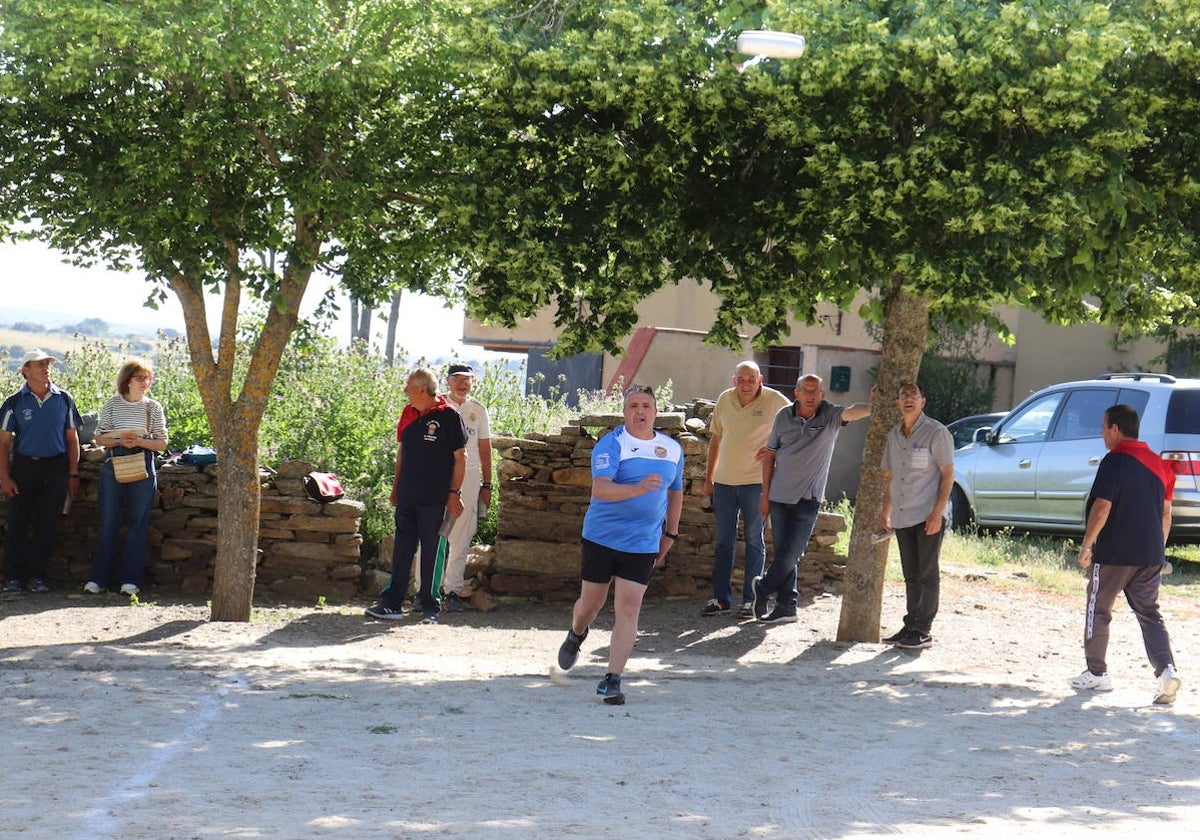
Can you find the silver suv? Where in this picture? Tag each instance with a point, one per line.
(1033, 470)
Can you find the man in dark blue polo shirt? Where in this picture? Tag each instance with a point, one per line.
(39, 432)
(431, 462)
(1124, 544)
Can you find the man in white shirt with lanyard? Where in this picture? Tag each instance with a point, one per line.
(477, 485)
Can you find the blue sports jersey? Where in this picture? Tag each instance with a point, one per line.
(633, 525)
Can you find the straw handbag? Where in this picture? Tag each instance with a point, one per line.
(130, 468)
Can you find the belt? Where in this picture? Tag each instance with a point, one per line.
(41, 457)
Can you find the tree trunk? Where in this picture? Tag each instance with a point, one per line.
(360, 324)
(393, 317)
(905, 332)
(235, 421)
(238, 503)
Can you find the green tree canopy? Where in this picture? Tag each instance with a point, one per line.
(232, 147)
(948, 155)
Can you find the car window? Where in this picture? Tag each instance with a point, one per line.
(1031, 422)
(1183, 413)
(1083, 413)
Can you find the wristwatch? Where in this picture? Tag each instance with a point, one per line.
(455, 492)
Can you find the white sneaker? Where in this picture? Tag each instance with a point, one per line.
(92, 588)
(1090, 682)
(1168, 685)
(129, 589)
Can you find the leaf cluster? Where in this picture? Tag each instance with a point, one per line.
(976, 152)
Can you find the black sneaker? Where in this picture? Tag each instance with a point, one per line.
(782, 614)
(37, 585)
(384, 611)
(609, 690)
(746, 610)
(761, 597)
(453, 602)
(430, 617)
(568, 652)
(12, 586)
(895, 637)
(715, 607)
(914, 640)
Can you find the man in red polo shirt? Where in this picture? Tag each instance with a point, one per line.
(431, 461)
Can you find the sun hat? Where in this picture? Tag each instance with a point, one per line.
(37, 356)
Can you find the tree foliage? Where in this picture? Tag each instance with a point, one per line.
(982, 152)
(230, 147)
(948, 155)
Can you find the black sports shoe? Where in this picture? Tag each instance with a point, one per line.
(914, 640)
(609, 690)
(453, 602)
(782, 614)
(384, 611)
(37, 585)
(761, 597)
(715, 607)
(568, 652)
(895, 637)
(12, 585)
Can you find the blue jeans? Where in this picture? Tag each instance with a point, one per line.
(123, 504)
(730, 500)
(791, 528)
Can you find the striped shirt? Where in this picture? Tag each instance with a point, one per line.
(118, 413)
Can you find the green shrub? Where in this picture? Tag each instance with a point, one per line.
(335, 407)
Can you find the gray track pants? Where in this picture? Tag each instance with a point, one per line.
(1140, 585)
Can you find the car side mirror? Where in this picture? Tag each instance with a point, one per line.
(983, 435)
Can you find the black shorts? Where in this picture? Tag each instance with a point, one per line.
(601, 564)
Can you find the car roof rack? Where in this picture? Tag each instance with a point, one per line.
(1137, 376)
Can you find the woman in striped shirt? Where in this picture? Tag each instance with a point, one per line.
(135, 424)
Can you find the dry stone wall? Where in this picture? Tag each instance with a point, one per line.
(307, 550)
(545, 485)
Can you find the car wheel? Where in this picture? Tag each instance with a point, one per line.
(961, 515)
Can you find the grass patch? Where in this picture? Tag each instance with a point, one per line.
(1044, 562)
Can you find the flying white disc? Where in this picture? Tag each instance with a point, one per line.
(771, 44)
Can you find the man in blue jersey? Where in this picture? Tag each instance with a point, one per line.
(1124, 544)
(39, 429)
(630, 525)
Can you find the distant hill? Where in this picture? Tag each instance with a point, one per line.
(15, 343)
(58, 323)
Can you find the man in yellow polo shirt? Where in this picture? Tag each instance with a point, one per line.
(739, 426)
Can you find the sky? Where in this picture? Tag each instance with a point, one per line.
(34, 276)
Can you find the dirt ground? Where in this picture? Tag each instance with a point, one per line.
(149, 721)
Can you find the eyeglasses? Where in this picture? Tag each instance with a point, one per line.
(639, 389)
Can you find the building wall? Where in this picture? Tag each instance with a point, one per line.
(1041, 354)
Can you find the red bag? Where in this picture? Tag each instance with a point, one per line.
(323, 487)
